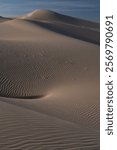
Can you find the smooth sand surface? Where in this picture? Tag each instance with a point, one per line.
(49, 83)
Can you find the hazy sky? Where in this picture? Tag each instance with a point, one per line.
(88, 9)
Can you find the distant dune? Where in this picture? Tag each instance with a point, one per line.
(49, 82)
(53, 16)
(77, 28)
(3, 19)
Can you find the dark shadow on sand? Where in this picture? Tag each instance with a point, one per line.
(78, 32)
(23, 97)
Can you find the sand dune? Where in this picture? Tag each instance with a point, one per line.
(49, 83)
(77, 28)
(3, 19)
(48, 15)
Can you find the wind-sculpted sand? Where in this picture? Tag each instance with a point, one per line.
(49, 83)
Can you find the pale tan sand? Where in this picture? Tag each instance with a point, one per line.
(49, 83)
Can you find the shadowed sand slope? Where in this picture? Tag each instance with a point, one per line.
(77, 28)
(53, 16)
(49, 83)
(2, 19)
(61, 24)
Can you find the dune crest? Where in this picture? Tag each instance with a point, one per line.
(44, 14)
(54, 16)
(65, 25)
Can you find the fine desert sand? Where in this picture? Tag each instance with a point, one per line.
(49, 82)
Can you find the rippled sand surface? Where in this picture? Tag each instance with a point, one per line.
(49, 83)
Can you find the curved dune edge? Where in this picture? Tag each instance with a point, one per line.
(65, 25)
(24, 97)
(3, 19)
(42, 55)
(54, 16)
(76, 28)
